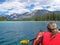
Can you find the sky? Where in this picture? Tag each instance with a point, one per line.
(22, 6)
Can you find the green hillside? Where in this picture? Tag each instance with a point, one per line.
(48, 17)
(2, 18)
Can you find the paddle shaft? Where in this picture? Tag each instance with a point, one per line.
(32, 39)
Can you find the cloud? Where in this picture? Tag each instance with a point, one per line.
(13, 7)
(21, 6)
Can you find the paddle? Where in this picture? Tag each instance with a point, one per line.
(26, 42)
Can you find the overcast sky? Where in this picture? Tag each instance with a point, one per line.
(21, 6)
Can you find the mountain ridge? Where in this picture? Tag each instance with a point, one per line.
(32, 14)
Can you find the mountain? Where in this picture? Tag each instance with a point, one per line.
(32, 14)
(57, 12)
(39, 12)
(15, 16)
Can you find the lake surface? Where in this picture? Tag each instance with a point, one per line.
(12, 32)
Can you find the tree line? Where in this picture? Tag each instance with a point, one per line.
(47, 17)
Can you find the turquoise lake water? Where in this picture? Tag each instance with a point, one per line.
(12, 32)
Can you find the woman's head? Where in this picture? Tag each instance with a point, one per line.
(51, 26)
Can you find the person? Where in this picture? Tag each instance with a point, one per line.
(51, 37)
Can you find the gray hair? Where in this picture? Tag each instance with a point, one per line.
(53, 24)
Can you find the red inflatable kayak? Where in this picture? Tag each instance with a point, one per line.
(39, 35)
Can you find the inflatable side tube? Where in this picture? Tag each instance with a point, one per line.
(38, 37)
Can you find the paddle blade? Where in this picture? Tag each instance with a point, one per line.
(24, 41)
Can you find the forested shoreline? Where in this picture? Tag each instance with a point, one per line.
(48, 17)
